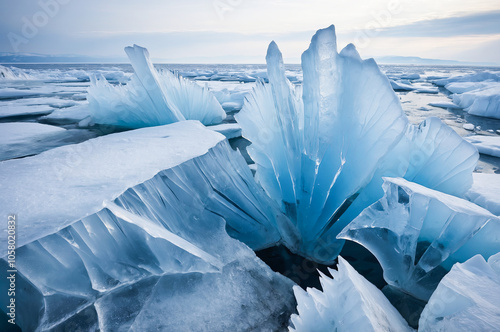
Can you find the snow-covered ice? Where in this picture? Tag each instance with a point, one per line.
(485, 192)
(347, 303)
(468, 126)
(19, 139)
(140, 217)
(399, 86)
(445, 104)
(417, 234)
(12, 110)
(85, 175)
(151, 98)
(467, 299)
(489, 145)
(230, 130)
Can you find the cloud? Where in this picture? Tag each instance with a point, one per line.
(475, 24)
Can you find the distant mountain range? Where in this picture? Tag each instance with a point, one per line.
(64, 58)
(413, 60)
(71, 58)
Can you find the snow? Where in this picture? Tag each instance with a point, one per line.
(321, 149)
(476, 77)
(19, 139)
(485, 192)
(489, 145)
(417, 234)
(86, 175)
(348, 302)
(151, 98)
(466, 299)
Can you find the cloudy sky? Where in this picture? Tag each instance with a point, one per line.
(238, 31)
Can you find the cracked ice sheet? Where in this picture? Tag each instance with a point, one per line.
(80, 175)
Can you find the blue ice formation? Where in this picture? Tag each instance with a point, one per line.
(417, 234)
(116, 236)
(467, 299)
(347, 303)
(321, 149)
(151, 97)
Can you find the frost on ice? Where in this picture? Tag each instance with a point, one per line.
(151, 98)
(417, 234)
(467, 299)
(123, 234)
(347, 303)
(321, 150)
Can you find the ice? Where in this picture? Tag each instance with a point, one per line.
(466, 299)
(230, 130)
(70, 114)
(482, 101)
(20, 139)
(12, 110)
(485, 192)
(399, 86)
(321, 150)
(121, 229)
(151, 98)
(347, 303)
(476, 77)
(468, 126)
(210, 176)
(417, 234)
(12, 74)
(428, 90)
(445, 104)
(489, 145)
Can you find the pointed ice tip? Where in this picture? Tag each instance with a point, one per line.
(325, 36)
(350, 52)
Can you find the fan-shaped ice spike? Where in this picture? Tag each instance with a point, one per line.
(321, 152)
(348, 303)
(417, 234)
(151, 98)
(466, 299)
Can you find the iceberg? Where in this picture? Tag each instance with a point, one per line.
(322, 149)
(151, 98)
(417, 234)
(466, 299)
(481, 102)
(133, 225)
(347, 303)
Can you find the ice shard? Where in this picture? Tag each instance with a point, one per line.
(130, 226)
(151, 97)
(417, 234)
(467, 299)
(348, 302)
(322, 149)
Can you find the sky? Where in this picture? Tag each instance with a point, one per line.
(239, 31)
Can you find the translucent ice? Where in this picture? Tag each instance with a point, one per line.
(151, 98)
(417, 234)
(321, 150)
(347, 303)
(467, 299)
(130, 226)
